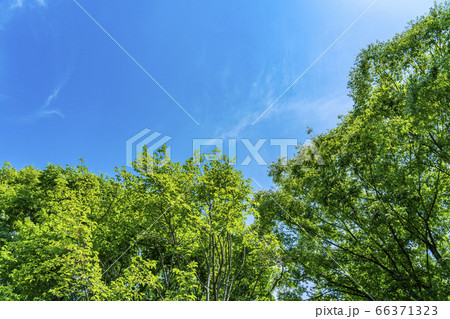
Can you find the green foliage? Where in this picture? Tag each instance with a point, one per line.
(373, 222)
(167, 231)
(361, 214)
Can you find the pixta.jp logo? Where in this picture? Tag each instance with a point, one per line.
(252, 150)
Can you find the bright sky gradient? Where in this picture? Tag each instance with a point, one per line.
(68, 91)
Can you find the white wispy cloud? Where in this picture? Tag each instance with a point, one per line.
(321, 114)
(293, 116)
(234, 131)
(21, 3)
(293, 110)
(16, 4)
(9, 7)
(46, 110)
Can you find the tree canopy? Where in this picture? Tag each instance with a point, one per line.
(360, 214)
(163, 232)
(373, 221)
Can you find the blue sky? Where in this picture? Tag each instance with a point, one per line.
(68, 91)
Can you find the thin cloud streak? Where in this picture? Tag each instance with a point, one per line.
(315, 62)
(44, 110)
(319, 114)
(136, 62)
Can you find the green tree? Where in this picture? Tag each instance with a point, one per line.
(373, 221)
(165, 231)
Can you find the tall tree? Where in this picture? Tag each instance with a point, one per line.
(373, 222)
(166, 231)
